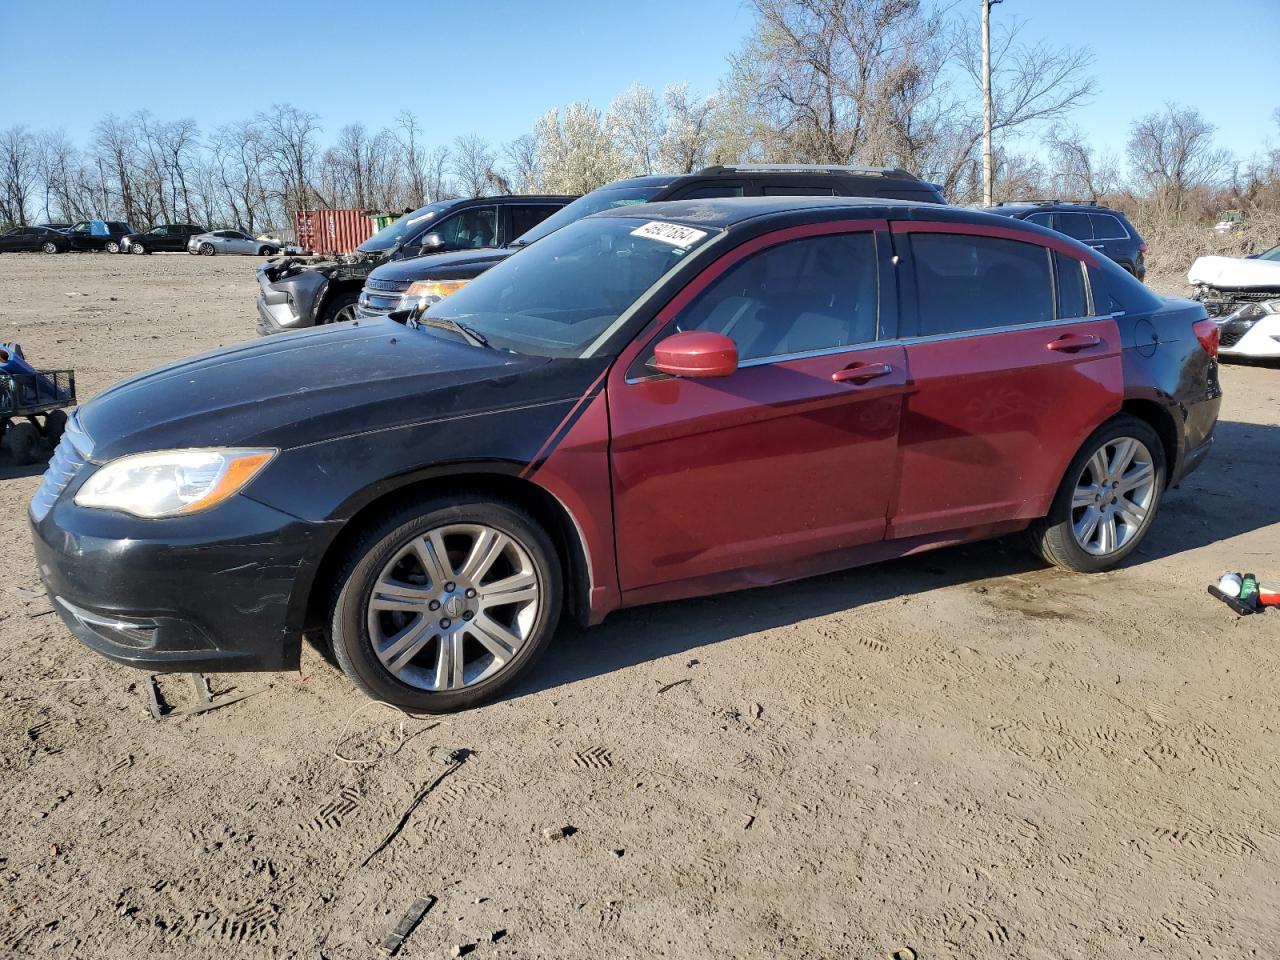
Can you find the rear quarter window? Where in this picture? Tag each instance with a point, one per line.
(1116, 291)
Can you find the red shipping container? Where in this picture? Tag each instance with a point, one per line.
(331, 231)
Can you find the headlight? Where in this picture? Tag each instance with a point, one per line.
(426, 292)
(171, 483)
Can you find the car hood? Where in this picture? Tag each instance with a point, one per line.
(1233, 273)
(306, 387)
(431, 266)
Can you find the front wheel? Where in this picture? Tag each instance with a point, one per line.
(340, 308)
(138, 248)
(267, 252)
(206, 249)
(1107, 500)
(49, 247)
(23, 437)
(445, 604)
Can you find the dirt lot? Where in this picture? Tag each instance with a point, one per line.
(965, 754)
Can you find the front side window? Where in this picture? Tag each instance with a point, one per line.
(559, 296)
(159, 231)
(407, 226)
(605, 198)
(477, 227)
(970, 283)
(1043, 219)
(804, 295)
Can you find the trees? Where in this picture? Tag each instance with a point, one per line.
(18, 174)
(1171, 152)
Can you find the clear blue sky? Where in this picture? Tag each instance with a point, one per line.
(493, 67)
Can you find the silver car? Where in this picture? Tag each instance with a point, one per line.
(230, 241)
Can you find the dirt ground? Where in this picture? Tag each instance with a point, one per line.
(963, 755)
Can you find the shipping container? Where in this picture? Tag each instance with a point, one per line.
(332, 231)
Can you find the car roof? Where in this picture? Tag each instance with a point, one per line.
(724, 213)
(1049, 206)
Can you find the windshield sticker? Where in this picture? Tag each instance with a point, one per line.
(673, 233)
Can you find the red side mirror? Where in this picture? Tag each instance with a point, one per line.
(696, 353)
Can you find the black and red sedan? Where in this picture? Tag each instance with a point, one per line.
(656, 402)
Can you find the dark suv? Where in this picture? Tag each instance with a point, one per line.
(409, 283)
(296, 293)
(1107, 231)
(99, 235)
(170, 237)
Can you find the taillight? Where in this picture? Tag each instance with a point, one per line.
(1207, 332)
(1142, 247)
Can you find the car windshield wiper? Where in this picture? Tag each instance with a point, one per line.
(472, 337)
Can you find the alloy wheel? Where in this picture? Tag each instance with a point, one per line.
(1113, 496)
(113, 247)
(346, 313)
(453, 606)
(137, 248)
(49, 247)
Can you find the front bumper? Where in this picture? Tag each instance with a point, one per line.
(210, 592)
(290, 302)
(1258, 337)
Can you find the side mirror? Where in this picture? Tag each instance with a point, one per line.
(432, 241)
(696, 353)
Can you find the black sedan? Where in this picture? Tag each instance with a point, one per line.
(34, 240)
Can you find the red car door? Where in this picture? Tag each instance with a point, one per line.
(762, 474)
(1010, 373)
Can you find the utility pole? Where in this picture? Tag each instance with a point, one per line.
(986, 100)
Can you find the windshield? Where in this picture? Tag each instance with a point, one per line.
(1272, 254)
(606, 198)
(405, 227)
(558, 296)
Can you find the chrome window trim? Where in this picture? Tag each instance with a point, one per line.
(901, 342)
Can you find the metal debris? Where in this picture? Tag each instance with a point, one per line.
(417, 910)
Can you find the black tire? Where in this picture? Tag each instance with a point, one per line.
(49, 247)
(268, 252)
(1053, 536)
(377, 546)
(23, 437)
(206, 250)
(341, 306)
(137, 248)
(55, 424)
(111, 246)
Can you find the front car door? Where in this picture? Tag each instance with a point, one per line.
(1011, 370)
(772, 472)
(468, 229)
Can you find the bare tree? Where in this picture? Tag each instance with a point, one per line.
(635, 124)
(412, 158)
(1171, 152)
(689, 133)
(292, 148)
(473, 162)
(18, 173)
(1076, 171)
(521, 155)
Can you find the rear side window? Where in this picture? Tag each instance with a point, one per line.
(975, 283)
(527, 217)
(709, 191)
(1107, 227)
(787, 190)
(1076, 225)
(1072, 301)
(796, 297)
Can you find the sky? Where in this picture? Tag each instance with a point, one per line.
(492, 66)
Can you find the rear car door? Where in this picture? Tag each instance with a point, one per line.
(15, 239)
(761, 473)
(1112, 239)
(521, 217)
(1010, 370)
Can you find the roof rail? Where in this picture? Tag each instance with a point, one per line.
(807, 168)
(1047, 203)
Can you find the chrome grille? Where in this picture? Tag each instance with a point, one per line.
(1229, 333)
(72, 453)
(387, 286)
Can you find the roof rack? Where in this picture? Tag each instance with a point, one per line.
(1046, 203)
(807, 168)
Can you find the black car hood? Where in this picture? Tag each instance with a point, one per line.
(433, 265)
(314, 385)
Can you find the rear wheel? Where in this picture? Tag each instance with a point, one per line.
(49, 247)
(267, 252)
(341, 307)
(1107, 500)
(55, 424)
(112, 247)
(22, 438)
(445, 604)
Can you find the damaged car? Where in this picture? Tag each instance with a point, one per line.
(296, 293)
(1243, 295)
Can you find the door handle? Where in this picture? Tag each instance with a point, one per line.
(858, 373)
(1096, 246)
(1071, 342)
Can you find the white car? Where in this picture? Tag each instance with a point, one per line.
(230, 241)
(1243, 295)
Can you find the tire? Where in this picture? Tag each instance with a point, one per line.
(137, 248)
(55, 424)
(1108, 491)
(341, 307)
(389, 553)
(23, 438)
(268, 252)
(206, 250)
(111, 247)
(49, 247)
